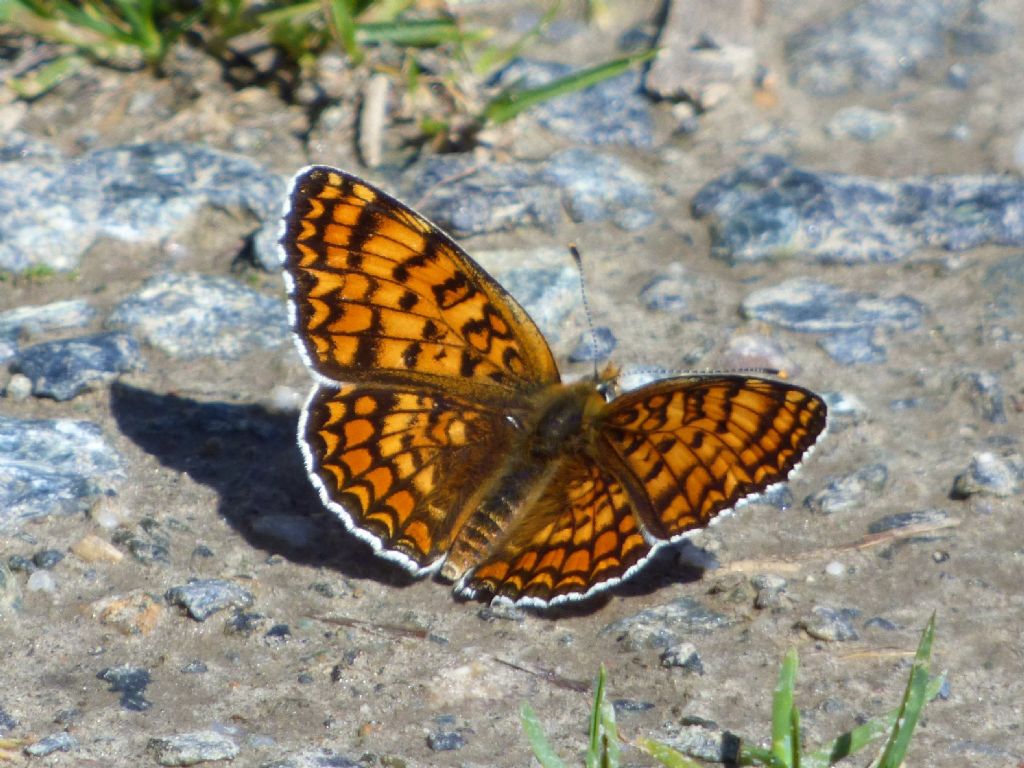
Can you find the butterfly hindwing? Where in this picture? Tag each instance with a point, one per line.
(579, 533)
(398, 465)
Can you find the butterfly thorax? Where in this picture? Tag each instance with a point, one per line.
(558, 426)
(560, 419)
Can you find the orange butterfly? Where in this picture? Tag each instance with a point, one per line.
(440, 432)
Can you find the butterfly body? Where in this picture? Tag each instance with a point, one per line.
(440, 432)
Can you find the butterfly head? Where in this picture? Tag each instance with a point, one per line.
(608, 381)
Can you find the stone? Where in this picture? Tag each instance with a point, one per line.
(192, 315)
(204, 597)
(192, 748)
(851, 491)
(65, 369)
(768, 209)
(53, 467)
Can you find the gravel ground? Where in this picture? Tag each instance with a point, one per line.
(830, 189)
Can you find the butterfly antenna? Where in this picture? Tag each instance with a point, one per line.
(586, 305)
(778, 373)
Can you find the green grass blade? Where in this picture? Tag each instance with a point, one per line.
(591, 759)
(290, 14)
(511, 102)
(539, 743)
(914, 699)
(610, 752)
(140, 15)
(45, 78)
(782, 710)
(343, 22)
(419, 33)
(494, 56)
(665, 755)
(387, 10)
(856, 739)
(794, 737)
(750, 755)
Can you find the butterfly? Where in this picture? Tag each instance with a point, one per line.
(440, 432)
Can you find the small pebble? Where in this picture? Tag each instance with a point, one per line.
(277, 634)
(204, 597)
(990, 475)
(684, 656)
(92, 549)
(446, 741)
(47, 558)
(192, 748)
(42, 581)
(57, 742)
(19, 387)
(835, 569)
(831, 624)
(131, 682)
(21, 564)
(134, 614)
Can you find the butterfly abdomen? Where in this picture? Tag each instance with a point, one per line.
(556, 431)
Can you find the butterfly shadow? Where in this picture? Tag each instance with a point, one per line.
(249, 456)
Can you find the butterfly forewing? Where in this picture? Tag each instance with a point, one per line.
(689, 448)
(381, 294)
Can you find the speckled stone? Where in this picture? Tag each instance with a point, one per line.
(768, 209)
(53, 467)
(445, 741)
(66, 368)
(131, 682)
(702, 741)
(987, 397)
(831, 624)
(30, 321)
(456, 193)
(598, 187)
(204, 597)
(862, 123)
(683, 656)
(192, 315)
(990, 474)
(47, 558)
(52, 210)
(906, 519)
(665, 625)
(192, 748)
(842, 494)
(872, 46)
(466, 198)
(57, 742)
(856, 324)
